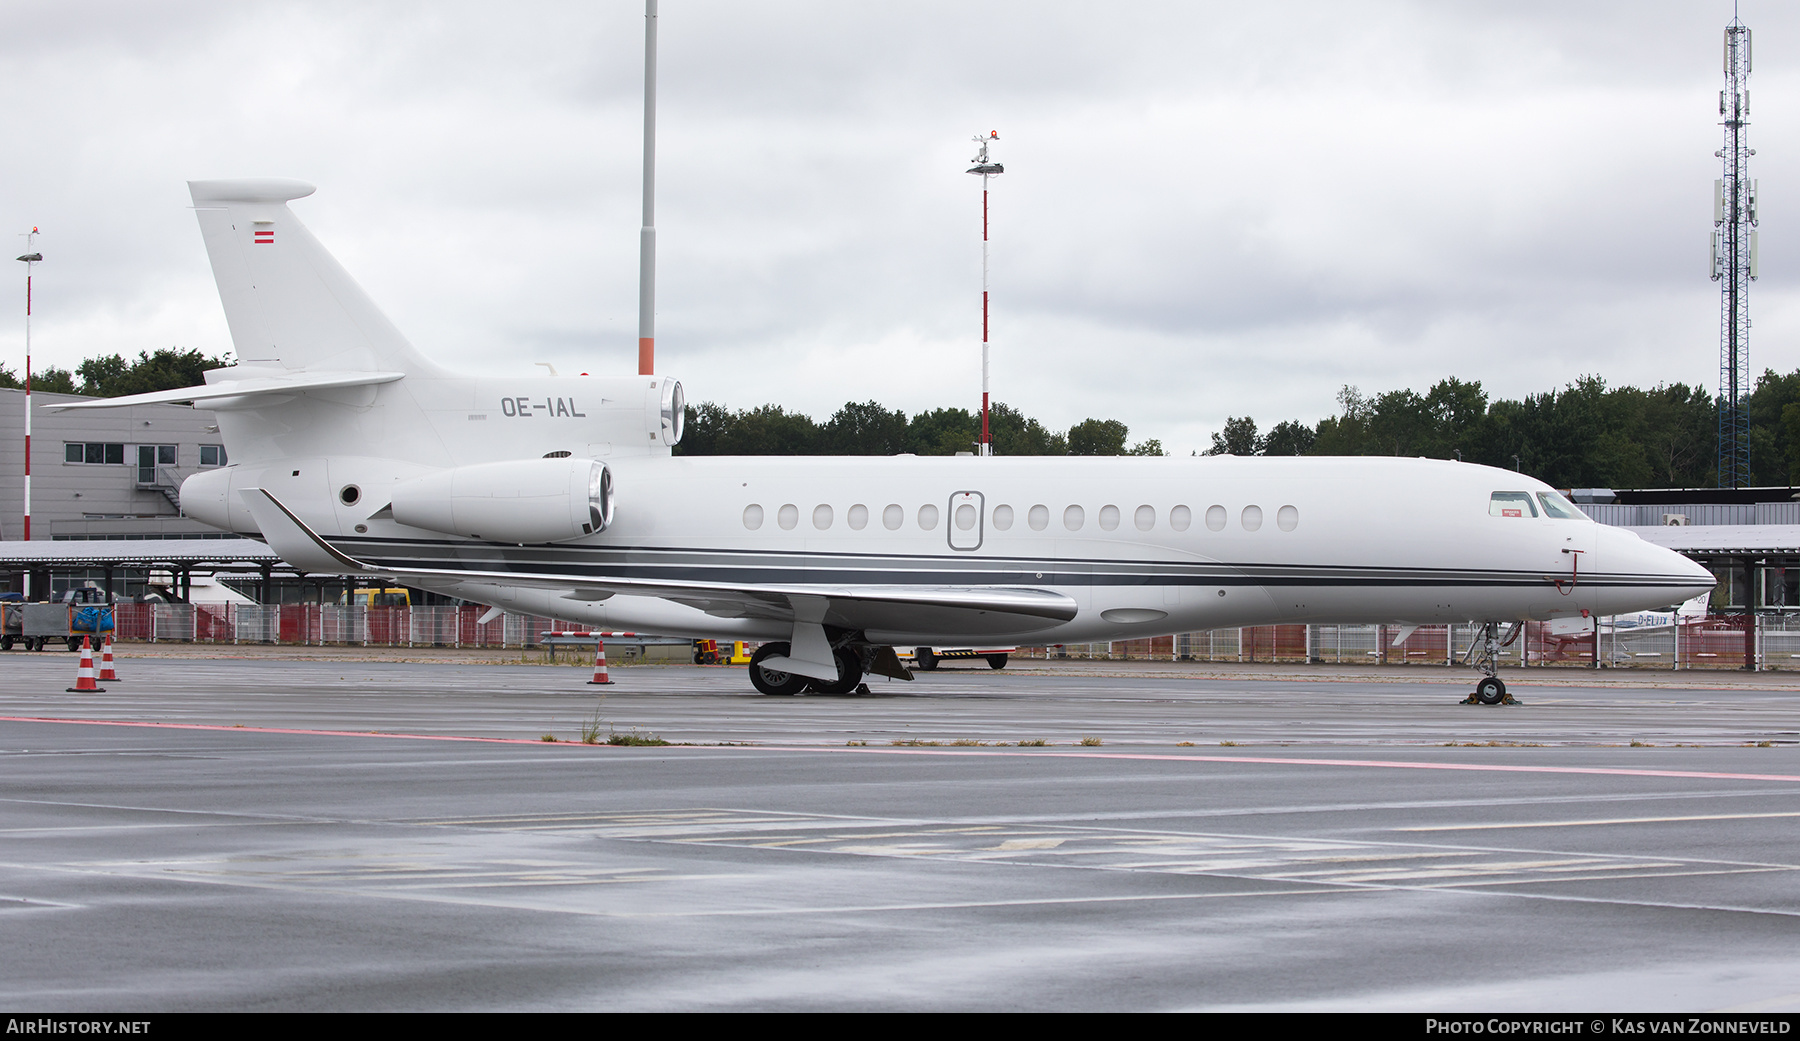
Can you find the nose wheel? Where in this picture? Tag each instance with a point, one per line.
(1484, 654)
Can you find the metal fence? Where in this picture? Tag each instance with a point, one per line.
(1726, 642)
(318, 624)
(1717, 642)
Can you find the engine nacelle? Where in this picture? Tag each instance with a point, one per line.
(526, 500)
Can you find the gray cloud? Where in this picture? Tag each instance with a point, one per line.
(1208, 210)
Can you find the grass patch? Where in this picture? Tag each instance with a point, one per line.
(1090, 742)
(857, 744)
(965, 742)
(548, 737)
(1036, 742)
(1229, 744)
(634, 739)
(1184, 744)
(913, 742)
(1641, 744)
(590, 731)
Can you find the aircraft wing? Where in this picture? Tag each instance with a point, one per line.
(979, 611)
(256, 385)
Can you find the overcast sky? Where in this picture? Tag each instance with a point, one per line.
(1208, 209)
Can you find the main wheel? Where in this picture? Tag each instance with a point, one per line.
(1490, 691)
(74, 643)
(850, 673)
(924, 659)
(5, 643)
(774, 681)
(996, 661)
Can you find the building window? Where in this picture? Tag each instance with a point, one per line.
(212, 455)
(93, 452)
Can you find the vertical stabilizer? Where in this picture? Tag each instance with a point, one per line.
(290, 304)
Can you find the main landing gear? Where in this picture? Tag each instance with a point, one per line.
(774, 681)
(1484, 654)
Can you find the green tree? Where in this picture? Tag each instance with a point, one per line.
(944, 431)
(865, 429)
(1015, 433)
(1238, 438)
(1289, 437)
(1098, 437)
(111, 376)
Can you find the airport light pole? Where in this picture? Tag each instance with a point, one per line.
(647, 235)
(987, 168)
(31, 258)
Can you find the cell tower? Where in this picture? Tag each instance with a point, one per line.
(986, 167)
(1734, 258)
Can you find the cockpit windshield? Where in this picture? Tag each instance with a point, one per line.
(1558, 507)
(1511, 504)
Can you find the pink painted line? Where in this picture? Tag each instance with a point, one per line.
(1380, 764)
(283, 730)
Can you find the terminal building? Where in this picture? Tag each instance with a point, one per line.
(106, 502)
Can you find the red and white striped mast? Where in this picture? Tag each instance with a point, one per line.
(647, 234)
(987, 168)
(30, 258)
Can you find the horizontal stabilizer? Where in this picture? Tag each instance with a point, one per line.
(252, 387)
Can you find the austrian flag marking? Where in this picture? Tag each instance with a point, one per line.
(265, 235)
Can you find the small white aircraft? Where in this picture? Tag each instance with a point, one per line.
(353, 454)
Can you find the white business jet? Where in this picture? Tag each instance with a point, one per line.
(353, 454)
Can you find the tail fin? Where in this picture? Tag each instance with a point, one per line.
(289, 303)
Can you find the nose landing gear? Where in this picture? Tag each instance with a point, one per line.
(1484, 654)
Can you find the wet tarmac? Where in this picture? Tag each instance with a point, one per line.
(256, 833)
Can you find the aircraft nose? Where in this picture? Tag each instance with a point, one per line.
(1642, 577)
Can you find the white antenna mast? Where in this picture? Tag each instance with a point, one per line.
(987, 168)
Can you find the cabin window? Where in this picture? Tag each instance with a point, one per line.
(858, 517)
(1560, 508)
(965, 517)
(1144, 518)
(1511, 504)
(1180, 518)
(1039, 517)
(1251, 518)
(821, 517)
(1074, 517)
(893, 517)
(787, 516)
(1109, 518)
(1287, 518)
(1003, 518)
(928, 515)
(753, 516)
(1215, 518)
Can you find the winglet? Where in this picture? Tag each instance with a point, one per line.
(298, 544)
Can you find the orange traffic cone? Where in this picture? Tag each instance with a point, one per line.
(106, 661)
(600, 664)
(84, 676)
